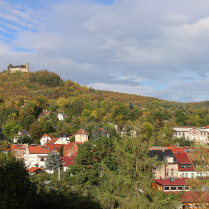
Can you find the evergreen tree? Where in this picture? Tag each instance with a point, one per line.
(96, 133)
(131, 107)
(53, 161)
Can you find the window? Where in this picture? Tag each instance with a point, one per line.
(69, 152)
(166, 188)
(83, 135)
(192, 175)
(180, 188)
(171, 172)
(186, 188)
(173, 188)
(42, 159)
(73, 151)
(166, 172)
(182, 175)
(181, 166)
(186, 175)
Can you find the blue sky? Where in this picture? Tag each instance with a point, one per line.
(152, 48)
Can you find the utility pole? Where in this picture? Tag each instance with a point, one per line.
(59, 174)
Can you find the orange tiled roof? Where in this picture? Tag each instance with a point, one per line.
(45, 135)
(81, 131)
(69, 145)
(33, 169)
(14, 146)
(52, 141)
(37, 150)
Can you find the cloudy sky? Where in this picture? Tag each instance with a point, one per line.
(157, 48)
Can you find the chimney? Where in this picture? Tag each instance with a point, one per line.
(180, 176)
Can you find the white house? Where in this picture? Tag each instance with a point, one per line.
(81, 136)
(56, 141)
(45, 139)
(199, 135)
(61, 116)
(64, 137)
(21, 134)
(35, 156)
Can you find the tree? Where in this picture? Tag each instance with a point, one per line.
(36, 130)
(62, 103)
(10, 129)
(96, 133)
(53, 161)
(61, 149)
(131, 107)
(16, 189)
(130, 186)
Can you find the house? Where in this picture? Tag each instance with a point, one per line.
(45, 139)
(64, 137)
(35, 156)
(199, 135)
(70, 149)
(107, 134)
(18, 150)
(61, 116)
(170, 185)
(170, 169)
(56, 141)
(185, 167)
(81, 136)
(34, 170)
(189, 198)
(53, 147)
(21, 134)
(67, 161)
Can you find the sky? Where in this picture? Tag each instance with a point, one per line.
(156, 48)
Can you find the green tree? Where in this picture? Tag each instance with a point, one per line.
(10, 130)
(16, 188)
(36, 130)
(61, 150)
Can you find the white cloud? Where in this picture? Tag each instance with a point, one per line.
(156, 41)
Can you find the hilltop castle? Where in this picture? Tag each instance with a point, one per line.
(18, 68)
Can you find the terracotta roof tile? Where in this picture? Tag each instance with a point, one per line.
(81, 131)
(37, 150)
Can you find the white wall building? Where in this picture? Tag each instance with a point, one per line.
(199, 135)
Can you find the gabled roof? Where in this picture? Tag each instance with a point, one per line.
(68, 160)
(162, 155)
(52, 141)
(33, 169)
(52, 147)
(37, 150)
(45, 135)
(168, 182)
(69, 145)
(63, 134)
(206, 126)
(81, 131)
(182, 158)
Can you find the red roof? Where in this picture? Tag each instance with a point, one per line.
(52, 147)
(44, 136)
(69, 145)
(37, 150)
(175, 150)
(167, 182)
(207, 126)
(68, 160)
(105, 131)
(52, 141)
(14, 146)
(182, 158)
(186, 169)
(33, 169)
(81, 131)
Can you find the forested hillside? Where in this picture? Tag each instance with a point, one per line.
(31, 100)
